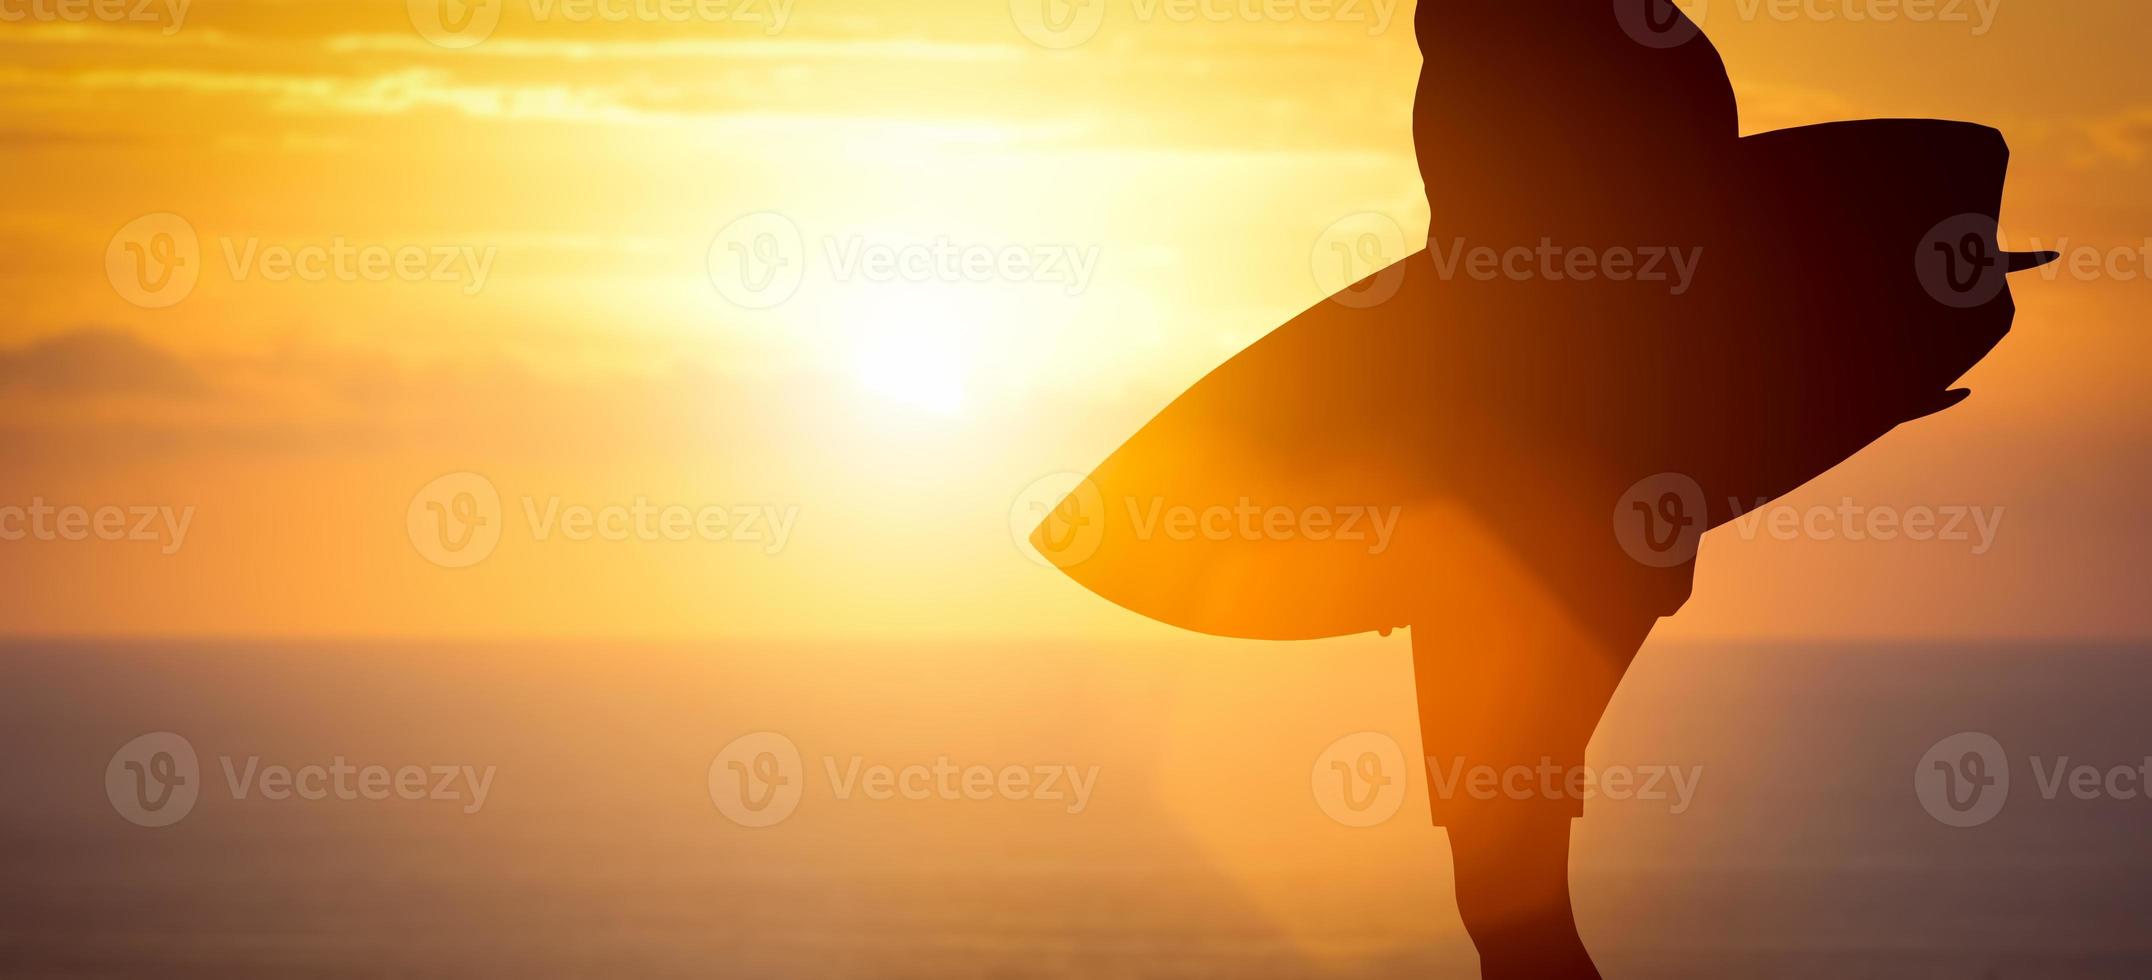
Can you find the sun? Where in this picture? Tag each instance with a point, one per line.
(913, 354)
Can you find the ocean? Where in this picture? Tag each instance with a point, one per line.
(1000, 811)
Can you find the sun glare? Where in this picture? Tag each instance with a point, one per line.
(911, 355)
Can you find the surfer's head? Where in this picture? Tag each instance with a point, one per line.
(1531, 117)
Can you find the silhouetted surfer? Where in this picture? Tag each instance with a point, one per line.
(1552, 444)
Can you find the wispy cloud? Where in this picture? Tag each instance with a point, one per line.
(760, 49)
(2124, 136)
(95, 362)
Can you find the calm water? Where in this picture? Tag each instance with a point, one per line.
(1199, 850)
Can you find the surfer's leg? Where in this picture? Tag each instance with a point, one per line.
(1513, 893)
(1506, 699)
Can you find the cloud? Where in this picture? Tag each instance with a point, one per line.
(99, 388)
(2124, 136)
(94, 362)
(52, 138)
(850, 51)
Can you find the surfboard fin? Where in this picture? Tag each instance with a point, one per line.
(1940, 403)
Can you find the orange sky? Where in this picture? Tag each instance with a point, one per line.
(568, 186)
